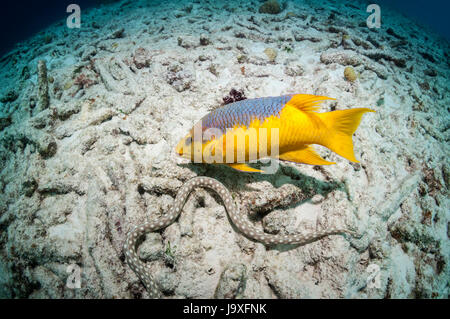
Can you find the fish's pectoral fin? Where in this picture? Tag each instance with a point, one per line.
(307, 102)
(244, 167)
(306, 155)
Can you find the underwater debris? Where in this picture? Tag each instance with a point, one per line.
(48, 38)
(183, 43)
(141, 58)
(428, 56)
(83, 81)
(361, 43)
(431, 180)
(43, 97)
(377, 55)
(234, 96)
(270, 6)
(379, 69)
(274, 223)
(68, 85)
(232, 282)
(290, 14)
(343, 57)
(46, 144)
(87, 143)
(213, 69)
(29, 186)
(89, 53)
(179, 14)
(203, 58)
(239, 35)
(406, 230)
(187, 42)
(43, 119)
(152, 248)
(188, 8)
(271, 54)
(178, 78)
(204, 40)
(373, 41)
(401, 63)
(242, 58)
(403, 189)
(333, 29)
(424, 85)
(300, 37)
(391, 32)
(25, 73)
(288, 49)
(294, 70)
(101, 115)
(350, 74)
(68, 109)
(430, 72)
(351, 58)
(118, 34)
(170, 253)
(11, 96)
(5, 121)
(105, 70)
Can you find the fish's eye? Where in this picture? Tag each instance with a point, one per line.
(188, 140)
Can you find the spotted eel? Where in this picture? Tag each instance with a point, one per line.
(143, 271)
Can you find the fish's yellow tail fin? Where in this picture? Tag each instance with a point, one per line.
(342, 124)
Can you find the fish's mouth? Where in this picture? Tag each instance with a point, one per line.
(179, 150)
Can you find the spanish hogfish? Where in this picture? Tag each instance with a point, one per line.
(298, 123)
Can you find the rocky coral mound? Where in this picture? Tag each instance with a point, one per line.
(89, 119)
(270, 6)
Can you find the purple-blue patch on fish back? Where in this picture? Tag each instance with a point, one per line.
(244, 112)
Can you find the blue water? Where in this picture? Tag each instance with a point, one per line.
(432, 13)
(21, 19)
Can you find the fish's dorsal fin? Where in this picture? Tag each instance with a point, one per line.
(307, 102)
(305, 155)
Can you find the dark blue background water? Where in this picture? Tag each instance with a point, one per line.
(433, 13)
(21, 19)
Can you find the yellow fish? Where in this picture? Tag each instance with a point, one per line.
(282, 127)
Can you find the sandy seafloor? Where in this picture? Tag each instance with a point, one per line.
(80, 170)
